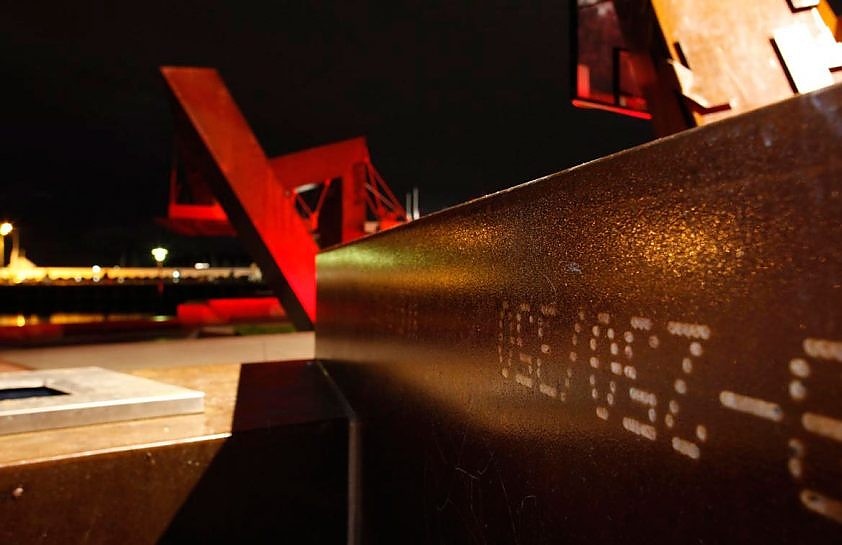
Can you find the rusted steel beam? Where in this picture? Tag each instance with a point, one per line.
(242, 179)
(643, 349)
(693, 62)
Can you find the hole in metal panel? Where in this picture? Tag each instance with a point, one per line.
(23, 393)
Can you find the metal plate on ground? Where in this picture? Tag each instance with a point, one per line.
(58, 398)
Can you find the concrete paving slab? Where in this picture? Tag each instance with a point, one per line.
(168, 352)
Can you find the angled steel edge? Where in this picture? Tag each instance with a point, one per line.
(647, 347)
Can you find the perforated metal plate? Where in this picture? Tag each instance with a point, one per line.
(643, 349)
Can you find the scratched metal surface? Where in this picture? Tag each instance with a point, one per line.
(646, 348)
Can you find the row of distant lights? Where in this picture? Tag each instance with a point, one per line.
(176, 274)
(159, 254)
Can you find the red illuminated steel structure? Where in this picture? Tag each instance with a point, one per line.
(283, 209)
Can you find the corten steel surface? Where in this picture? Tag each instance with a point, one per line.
(266, 463)
(254, 200)
(699, 61)
(602, 74)
(643, 349)
(278, 206)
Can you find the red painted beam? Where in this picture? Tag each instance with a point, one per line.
(346, 160)
(198, 220)
(256, 202)
(320, 163)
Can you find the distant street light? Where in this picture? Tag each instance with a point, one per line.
(5, 229)
(160, 254)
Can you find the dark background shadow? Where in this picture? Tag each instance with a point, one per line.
(282, 477)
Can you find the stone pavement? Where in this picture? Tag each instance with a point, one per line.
(167, 352)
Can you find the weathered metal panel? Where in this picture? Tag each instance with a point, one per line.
(643, 349)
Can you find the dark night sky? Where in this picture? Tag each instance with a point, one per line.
(457, 98)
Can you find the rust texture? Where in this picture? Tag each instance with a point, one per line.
(693, 62)
(642, 349)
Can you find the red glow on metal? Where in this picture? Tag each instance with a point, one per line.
(216, 311)
(275, 205)
(614, 109)
(231, 162)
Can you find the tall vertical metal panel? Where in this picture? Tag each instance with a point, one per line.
(643, 349)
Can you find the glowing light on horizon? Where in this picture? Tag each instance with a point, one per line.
(160, 254)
